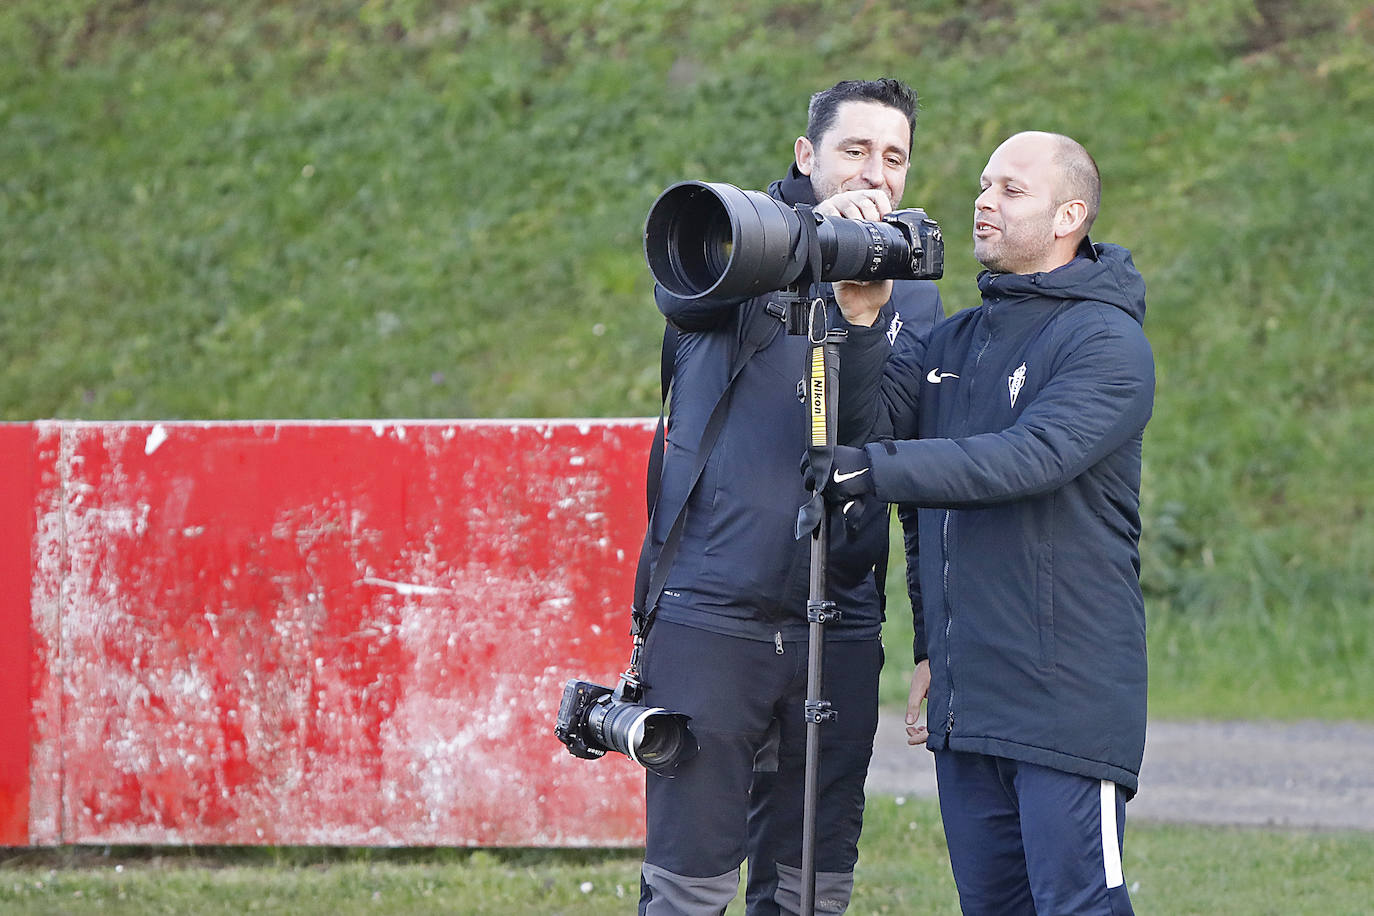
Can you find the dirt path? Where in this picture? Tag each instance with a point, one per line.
(1301, 774)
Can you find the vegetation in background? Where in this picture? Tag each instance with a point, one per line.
(432, 208)
(903, 868)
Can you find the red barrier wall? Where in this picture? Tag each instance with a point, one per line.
(16, 538)
(313, 633)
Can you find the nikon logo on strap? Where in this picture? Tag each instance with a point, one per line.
(817, 396)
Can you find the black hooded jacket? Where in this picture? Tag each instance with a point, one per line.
(740, 570)
(1016, 427)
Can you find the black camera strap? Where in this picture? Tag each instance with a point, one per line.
(761, 325)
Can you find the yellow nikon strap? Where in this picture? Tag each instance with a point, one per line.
(820, 407)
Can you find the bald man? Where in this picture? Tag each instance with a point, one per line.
(1013, 432)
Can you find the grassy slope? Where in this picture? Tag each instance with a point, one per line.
(432, 208)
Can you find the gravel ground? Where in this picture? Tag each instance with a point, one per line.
(1275, 774)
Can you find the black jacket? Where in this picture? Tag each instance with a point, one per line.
(1018, 429)
(740, 570)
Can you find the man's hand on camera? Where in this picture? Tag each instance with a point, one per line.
(860, 302)
(871, 204)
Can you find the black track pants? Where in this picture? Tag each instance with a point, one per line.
(741, 796)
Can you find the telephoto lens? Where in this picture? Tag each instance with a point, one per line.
(713, 240)
(593, 719)
(649, 735)
(717, 240)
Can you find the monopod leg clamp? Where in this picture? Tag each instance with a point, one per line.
(822, 611)
(818, 711)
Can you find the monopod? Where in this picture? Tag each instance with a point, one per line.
(822, 391)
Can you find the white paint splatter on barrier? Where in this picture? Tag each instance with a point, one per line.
(155, 439)
(406, 588)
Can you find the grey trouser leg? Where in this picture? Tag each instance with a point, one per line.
(663, 893)
(833, 890)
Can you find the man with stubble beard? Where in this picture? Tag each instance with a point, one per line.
(1015, 428)
(728, 639)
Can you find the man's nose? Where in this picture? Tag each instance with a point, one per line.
(873, 171)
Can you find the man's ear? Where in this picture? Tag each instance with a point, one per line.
(806, 155)
(1069, 217)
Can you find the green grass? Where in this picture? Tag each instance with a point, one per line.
(432, 208)
(903, 868)
(1283, 648)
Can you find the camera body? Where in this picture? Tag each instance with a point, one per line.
(572, 727)
(713, 240)
(925, 258)
(594, 719)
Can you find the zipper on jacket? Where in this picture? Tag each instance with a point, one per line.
(978, 357)
(966, 391)
(949, 621)
(777, 642)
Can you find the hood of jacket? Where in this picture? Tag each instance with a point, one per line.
(1099, 273)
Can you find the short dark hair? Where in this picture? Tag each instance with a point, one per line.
(1079, 176)
(890, 92)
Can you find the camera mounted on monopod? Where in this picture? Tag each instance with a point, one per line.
(714, 240)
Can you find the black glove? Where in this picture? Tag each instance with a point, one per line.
(848, 484)
(850, 479)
